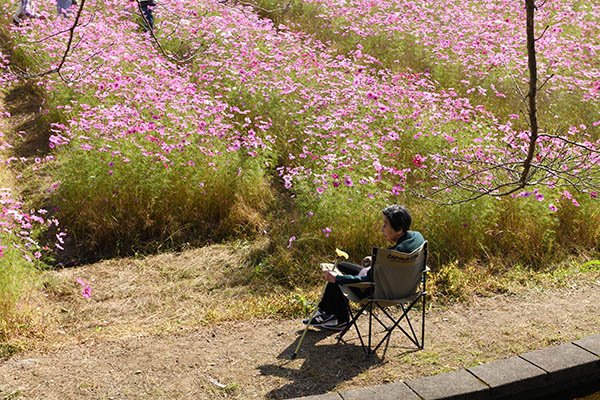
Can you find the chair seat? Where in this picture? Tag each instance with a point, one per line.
(394, 302)
(350, 294)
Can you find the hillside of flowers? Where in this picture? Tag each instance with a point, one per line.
(485, 39)
(229, 127)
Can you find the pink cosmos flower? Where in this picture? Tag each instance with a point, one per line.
(86, 292)
(419, 161)
(552, 207)
(86, 289)
(397, 189)
(575, 202)
(290, 241)
(449, 138)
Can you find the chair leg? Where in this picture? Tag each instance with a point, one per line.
(389, 330)
(387, 344)
(370, 327)
(423, 322)
(414, 335)
(368, 347)
(413, 338)
(353, 318)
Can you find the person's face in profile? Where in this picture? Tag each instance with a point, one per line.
(389, 233)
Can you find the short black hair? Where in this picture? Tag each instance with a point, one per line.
(398, 216)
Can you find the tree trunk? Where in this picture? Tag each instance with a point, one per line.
(531, 95)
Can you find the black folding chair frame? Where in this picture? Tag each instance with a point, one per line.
(371, 305)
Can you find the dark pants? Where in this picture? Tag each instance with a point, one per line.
(334, 301)
(147, 10)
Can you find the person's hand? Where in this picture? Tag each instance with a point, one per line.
(366, 262)
(329, 276)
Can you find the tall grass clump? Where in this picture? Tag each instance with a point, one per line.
(129, 203)
(16, 277)
(20, 256)
(468, 242)
(513, 231)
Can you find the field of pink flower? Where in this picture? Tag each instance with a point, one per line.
(485, 38)
(238, 129)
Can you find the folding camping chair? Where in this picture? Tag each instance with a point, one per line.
(399, 281)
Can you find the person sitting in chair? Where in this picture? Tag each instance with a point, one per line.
(333, 307)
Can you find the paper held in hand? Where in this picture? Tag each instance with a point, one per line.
(327, 266)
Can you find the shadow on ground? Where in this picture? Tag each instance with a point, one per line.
(323, 367)
(25, 102)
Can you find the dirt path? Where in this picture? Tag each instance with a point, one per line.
(95, 357)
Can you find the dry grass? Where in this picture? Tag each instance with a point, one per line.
(164, 294)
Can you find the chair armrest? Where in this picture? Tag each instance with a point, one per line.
(360, 285)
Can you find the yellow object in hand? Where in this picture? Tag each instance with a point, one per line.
(341, 253)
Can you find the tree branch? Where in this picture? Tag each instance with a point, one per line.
(476, 173)
(542, 35)
(60, 32)
(546, 81)
(571, 142)
(63, 59)
(485, 192)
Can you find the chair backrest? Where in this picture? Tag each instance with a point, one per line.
(397, 275)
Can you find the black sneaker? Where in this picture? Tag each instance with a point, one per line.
(319, 312)
(334, 325)
(319, 319)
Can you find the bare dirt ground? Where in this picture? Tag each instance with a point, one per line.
(170, 327)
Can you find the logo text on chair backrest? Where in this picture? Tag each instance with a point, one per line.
(403, 258)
